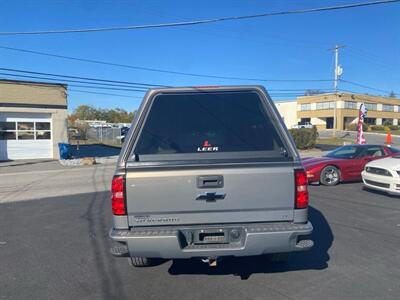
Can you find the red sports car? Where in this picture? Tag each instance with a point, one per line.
(344, 163)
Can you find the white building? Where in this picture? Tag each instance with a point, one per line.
(288, 111)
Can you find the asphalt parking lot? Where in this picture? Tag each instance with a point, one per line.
(54, 245)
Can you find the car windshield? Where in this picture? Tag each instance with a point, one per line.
(346, 152)
(396, 152)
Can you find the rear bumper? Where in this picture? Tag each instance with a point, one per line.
(257, 239)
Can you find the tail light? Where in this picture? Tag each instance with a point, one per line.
(118, 202)
(301, 189)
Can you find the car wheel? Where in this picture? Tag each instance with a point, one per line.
(330, 175)
(140, 261)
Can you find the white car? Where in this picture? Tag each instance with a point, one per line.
(383, 175)
(304, 125)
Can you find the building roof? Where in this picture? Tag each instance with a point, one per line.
(15, 93)
(27, 82)
(285, 100)
(349, 97)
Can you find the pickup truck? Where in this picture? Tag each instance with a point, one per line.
(208, 172)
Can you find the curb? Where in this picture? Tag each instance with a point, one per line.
(80, 161)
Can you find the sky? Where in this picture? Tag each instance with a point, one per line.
(278, 47)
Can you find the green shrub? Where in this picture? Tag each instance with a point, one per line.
(305, 138)
(354, 127)
(394, 127)
(377, 127)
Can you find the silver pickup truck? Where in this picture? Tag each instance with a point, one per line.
(208, 172)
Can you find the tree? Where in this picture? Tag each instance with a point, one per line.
(86, 112)
(71, 120)
(392, 95)
(117, 115)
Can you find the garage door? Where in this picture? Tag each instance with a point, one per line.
(25, 136)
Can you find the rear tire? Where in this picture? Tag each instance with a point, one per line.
(140, 262)
(330, 176)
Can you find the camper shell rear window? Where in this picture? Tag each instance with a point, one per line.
(206, 125)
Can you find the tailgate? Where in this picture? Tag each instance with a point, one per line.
(250, 194)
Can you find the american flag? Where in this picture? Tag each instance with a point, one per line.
(361, 115)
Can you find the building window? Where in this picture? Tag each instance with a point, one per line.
(329, 123)
(25, 125)
(42, 131)
(7, 126)
(347, 121)
(25, 131)
(42, 126)
(370, 121)
(43, 135)
(325, 105)
(304, 121)
(387, 107)
(370, 106)
(387, 122)
(7, 135)
(305, 106)
(7, 131)
(26, 135)
(350, 105)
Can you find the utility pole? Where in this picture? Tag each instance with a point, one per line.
(338, 72)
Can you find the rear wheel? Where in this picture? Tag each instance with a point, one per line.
(140, 261)
(330, 175)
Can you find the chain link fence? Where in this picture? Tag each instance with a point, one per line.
(112, 136)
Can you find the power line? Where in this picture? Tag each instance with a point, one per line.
(298, 90)
(106, 94)
(159, 70)
(204, 21)
(84, 78)
(273, 39)
(354, 92)
(120, 87)
(131, 96)
(364, 86)
(275, 91)
(278, 94)
(348, 91)
(108, 86)
(67, 82)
